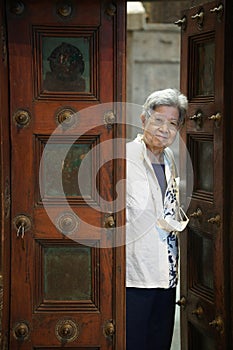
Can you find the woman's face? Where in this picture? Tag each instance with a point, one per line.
(160, 128)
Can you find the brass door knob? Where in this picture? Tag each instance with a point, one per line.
(66, 330)
(109, 222)
(64, 9)
(181, 22)
(66, 117)
(196, 117)
(218, 10)
(109, 119)
(22, 224)
(17, 7)
(22, 118)
(182, 302)
(21, 331)
(196, 214)
(199, 17)
(198, 311)
(216, 118)
(217, 323)
(109, 329)
(215, 220)
(67, 223)
(111, 9)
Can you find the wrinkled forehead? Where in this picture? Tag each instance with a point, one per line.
(165, 115)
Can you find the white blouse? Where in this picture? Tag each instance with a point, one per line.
(149, 220)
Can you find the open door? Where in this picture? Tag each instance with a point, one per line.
(205, 276)
(66, 276)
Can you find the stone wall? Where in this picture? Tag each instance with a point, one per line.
(165, 11)
(153, 55)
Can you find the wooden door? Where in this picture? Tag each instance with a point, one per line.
(66, 69)
(205, 293)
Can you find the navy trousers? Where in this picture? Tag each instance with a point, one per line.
(149, 318)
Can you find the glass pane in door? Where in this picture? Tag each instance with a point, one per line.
(67, 273)
(201, 260)
(206, 66)
(68, 168)
(205, 171)
(66, 63)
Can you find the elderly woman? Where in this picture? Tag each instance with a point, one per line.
(153, 219)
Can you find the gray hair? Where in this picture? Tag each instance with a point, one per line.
(166, 97)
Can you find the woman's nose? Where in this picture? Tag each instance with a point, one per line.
(164, 127)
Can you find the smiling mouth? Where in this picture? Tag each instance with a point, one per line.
(161, 137)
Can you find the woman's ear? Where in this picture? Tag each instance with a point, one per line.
(143, 119)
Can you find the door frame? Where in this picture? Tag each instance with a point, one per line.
(5, 184)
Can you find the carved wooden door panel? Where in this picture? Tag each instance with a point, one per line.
(66, 67)
(204, 256)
